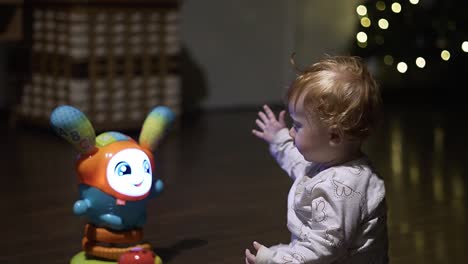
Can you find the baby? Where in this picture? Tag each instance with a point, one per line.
(336, 205)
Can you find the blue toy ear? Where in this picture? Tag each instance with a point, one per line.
(72, 125)
(154, 126)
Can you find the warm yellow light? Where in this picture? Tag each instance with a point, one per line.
(445, 55)
(380, 5)
(361, 10)
(420, 62)
(362, 44)
(365, 22)
(388, 60)
(414, 2)
(402, 67)
(361, 37)
(383, 23)
(396, 7)
(464, 46)
(458, 190)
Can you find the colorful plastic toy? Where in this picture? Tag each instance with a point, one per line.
(137, 256)
(115, 176)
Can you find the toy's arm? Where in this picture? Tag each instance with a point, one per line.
(112, 220)
(81, 206)
(158, 187)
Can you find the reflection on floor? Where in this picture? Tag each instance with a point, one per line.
(223, 190)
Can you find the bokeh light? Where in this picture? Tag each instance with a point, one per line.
(445, 55)
(361, 10)
(388, 60)
(362, 44)
(383, 23)
(365, 22)
(402, 67)
(420, 62)
(464, 46)
(380, 5)
(361, 37)
(396, 7)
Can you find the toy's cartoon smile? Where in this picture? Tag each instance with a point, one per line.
(138, 184)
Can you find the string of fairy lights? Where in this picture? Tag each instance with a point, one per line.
(384, 24)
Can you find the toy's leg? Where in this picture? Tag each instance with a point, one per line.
(112, 253)
(104, 235)
(109, 245)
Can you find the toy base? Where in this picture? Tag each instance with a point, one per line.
(81, 258)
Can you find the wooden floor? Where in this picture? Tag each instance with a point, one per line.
(223, 190)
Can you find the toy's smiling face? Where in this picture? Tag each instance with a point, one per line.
(129, 172)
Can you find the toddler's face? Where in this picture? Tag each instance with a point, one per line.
(311, 137)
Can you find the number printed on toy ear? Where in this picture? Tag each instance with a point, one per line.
(61, 132)
(75, 136)
(72, 125)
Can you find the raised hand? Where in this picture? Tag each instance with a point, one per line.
(268, 124)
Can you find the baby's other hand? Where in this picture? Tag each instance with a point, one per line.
(268, 124)
(249, 257)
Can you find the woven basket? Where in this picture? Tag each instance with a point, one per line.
(114, 60)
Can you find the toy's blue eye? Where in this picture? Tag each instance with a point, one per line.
(123, 168)
(146, 166)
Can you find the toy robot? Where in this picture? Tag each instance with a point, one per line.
(116, 183)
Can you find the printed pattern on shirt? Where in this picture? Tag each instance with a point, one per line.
(342, 190)
(294, 257)
(318, 210)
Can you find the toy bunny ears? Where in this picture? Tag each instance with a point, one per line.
(71, 124)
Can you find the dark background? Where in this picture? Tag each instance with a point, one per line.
(223, 189)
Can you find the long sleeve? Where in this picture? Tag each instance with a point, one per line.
(287, 155)
(324, 217)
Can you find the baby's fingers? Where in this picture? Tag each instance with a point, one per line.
(249, 257)
(263, 117)
(258, 133)
(260, 124)
(269, 113)
(281, 118)
(257, 245)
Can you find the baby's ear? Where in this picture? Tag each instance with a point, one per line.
(335, 135)
(72, 125)
(154, 126)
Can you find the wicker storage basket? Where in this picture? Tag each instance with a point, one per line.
(114, 60)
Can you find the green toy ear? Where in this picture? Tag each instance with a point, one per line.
(71, 124)
(154, 126)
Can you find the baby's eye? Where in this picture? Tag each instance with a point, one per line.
(146, 166)
(122, 168)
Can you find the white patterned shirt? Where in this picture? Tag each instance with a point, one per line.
(335, 215)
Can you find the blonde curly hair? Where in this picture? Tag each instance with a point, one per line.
(341, 92)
